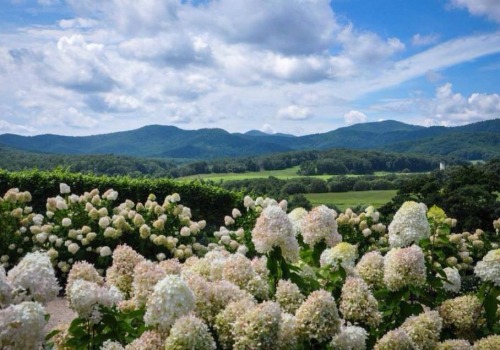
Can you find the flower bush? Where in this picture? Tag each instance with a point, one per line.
(149, 276)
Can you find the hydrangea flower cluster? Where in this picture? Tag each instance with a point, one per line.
(258, 327)
(488, 269)
(288, 295)
(357, 303)
(34, 278)
(404, 267)
(318, 317)
(274, 229)
(371, 268)
(409, 225)
(121, 273)
(189, 332)
(454, 283)
(454, 344)
(462, 313)
(320, 225)
(424, 329)
(343, 254)
(86, 298)
(171, 299)
(397, 339)
(22, 326)
(350, 338)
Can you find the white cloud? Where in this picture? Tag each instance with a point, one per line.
(424, 40)
(488, 8)
(268, 129)
(451, 108)
(294, 112)
(286, 26)
(368, 47)
(353, 117)
(7, 127)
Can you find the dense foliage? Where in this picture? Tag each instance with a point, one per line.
(469, 192)
(330, 162)
(209, 202)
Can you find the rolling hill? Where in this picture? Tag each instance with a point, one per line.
(474, 141)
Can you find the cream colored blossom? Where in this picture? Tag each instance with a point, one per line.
(454, 344)
(171, 299)
(317, 317)
(396, 339)
(22, 326)
(288, 295)
(461, 313)
(371, 269)
(488, 269)
(33, 279)
(357, 303)
(424, 329)
(120, 274)
(189, 332)
(454, 282)
(274, 229)
(409, 225)
(258, 327)
(343, 253)
(149, 340)
(489, 343)
(350, 338)
(225, 320)
(320, 225)
(404, 267)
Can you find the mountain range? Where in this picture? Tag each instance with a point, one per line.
(473, 141)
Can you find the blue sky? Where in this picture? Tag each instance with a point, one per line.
(81, 67)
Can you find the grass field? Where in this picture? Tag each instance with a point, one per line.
(280, 174)
(345, 200)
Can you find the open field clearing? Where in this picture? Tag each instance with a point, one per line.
(284, 174)
(345, 200)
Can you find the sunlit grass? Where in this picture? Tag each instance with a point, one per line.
(344, 200)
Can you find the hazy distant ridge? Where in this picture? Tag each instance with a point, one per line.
(478, 140)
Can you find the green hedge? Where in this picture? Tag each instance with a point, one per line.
(207, 202)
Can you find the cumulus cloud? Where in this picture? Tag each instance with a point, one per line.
(294, 112)
(367, 47)
(488, 8)
(354, 117)
(78, 65)
(424, 40)
(452, 108)
(286, 26)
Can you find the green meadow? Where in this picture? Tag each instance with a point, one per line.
(288, 173)
(345, 200)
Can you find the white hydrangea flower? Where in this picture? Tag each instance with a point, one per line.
(111, 345)
(320, 224)
(350, 338)
(273, 228)
(409, 225)
(296, 216)
(85, 298)
(22, 326)
(455, 282)
(171, 299)
(404, 267)
(343, 252)
(34, 278)
(488, 269)
(5, 289)
(63, 188)
(189, 332)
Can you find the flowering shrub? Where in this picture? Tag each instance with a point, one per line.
(149, 276)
